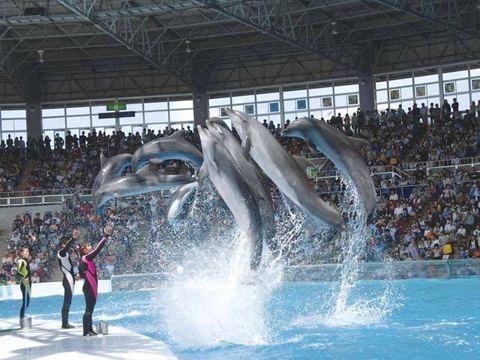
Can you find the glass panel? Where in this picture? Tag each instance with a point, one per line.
(181, 115)
(320, 91)
(400, 82)
(420, 91)
(181, 104)
(476, 84)
(433, 89)
(455, 75)
(14, 114)
(8, 125)
(243, 99)
(381, 85)
(463, 102)
(327, 102)
(102, 122)
(382, 96)
(53, 112)
(273, 107)
(475, 72)
(249, 109)
(262, 108)
(426, 79)
(78, 121)
(353, 99)
(301, 104)
(407, 93)
(462, 85)
(346, 89)
(289, 105)
(156, 117)
(268, 96)
(134, 107)
(340, 100)
(161, 105)
(449, 87)
(219, 101)
(395, 94)
(294, 94)
(53, 123)
(83, 110)
(99, 109)
(20, 125)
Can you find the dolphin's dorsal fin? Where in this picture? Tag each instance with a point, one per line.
(177, 134)
(358, 142)
(202, 173)
(103, 158)
(246, 145)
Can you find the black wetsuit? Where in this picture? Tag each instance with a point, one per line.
(23, 270)
(68, 281)
(88, 271)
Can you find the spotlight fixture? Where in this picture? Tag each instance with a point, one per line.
(334, 28)
(40, 53)
(187, 48)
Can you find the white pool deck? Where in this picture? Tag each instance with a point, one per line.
(45, 340)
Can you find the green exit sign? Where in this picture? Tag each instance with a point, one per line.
(116, 107)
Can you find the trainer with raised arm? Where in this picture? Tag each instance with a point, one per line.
(88, 271)
(68, 281)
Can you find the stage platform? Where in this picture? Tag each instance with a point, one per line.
(45, 340)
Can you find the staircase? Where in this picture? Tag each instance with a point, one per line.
(27, 171)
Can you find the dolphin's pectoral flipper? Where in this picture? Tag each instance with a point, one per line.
(246, 145)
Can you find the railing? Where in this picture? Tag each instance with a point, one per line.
(49, 199)
(24, 193)
(441, 164)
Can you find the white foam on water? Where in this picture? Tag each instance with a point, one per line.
(219, 300)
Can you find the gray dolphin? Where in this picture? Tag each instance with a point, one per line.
(252, 176)
(179, 199)
(168, 148)
(111, 168)
(304, 162)
(229, 182)
(342, 151)
(134, 184)
(282, 168)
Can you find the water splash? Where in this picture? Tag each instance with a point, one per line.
(218, 300)
(348, 307)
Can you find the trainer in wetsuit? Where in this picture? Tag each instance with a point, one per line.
(68, 281)
(88, 271)
(25, 277)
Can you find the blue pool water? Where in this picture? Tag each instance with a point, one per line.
(424, 319)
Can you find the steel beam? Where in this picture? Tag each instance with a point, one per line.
(262, 19)
(430, 11)
(133, 35)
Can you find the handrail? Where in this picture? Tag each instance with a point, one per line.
(24, 193)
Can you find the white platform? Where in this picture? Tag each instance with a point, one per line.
(47, 341)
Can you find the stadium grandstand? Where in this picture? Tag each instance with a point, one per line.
(81, 78)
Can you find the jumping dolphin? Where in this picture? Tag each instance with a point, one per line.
(134, 184)
(233, 189)
(304, 162)
(179, 199)
(253, 178)
(341, 151)
(281, 168)
(111, 168)
(169, 148)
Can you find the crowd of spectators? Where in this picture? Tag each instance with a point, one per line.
(422, 216)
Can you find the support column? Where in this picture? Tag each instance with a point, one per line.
(367, 92)
(200, 107)
(33, 95)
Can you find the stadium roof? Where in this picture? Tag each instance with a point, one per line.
(77, 49)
